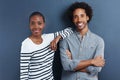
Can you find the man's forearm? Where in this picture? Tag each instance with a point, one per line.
(84, 70)
(83, 64)
(97, 61)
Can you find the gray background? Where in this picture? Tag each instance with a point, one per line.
(14, 29)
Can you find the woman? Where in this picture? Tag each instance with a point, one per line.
(36, 54)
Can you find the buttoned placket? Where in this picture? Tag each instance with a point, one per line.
(81, 43)
(80, 40)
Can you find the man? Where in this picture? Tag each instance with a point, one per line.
(82, 53)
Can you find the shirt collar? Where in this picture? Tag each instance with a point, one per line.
(87, 34)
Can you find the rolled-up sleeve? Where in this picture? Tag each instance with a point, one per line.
(99, 52)
(68, 64)
(64, 33)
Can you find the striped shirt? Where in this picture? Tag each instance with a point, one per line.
(36, 60)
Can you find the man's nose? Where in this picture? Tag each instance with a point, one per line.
(79, 18)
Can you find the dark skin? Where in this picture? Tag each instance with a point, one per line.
(37, 25)
(80, 20)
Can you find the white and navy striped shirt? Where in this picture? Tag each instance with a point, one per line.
(36, 60)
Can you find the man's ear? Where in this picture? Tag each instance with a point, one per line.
(87, 18)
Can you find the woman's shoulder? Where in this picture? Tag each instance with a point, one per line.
(26, 41)
(48, 36)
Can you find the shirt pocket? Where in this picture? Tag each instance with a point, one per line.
(89, 51)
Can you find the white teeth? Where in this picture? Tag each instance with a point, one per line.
(80, 24)
(36, 30)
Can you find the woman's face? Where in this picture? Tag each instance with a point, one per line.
(36, 25)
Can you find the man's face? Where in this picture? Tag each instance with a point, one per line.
(80, 18)
(36, 25)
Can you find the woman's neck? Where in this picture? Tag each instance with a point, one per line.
(36, 39)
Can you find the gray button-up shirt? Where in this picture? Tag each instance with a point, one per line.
(87, 47)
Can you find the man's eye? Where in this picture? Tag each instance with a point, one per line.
(74, 17)
(39, 23)
(82, 15)
(32, 23)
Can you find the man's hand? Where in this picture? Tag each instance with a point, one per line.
(54, 42)
(69, 54)
(98, 61)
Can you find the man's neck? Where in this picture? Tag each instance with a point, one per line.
(83, 31)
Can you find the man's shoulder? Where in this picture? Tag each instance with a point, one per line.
(70, 37)
(96, 36)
